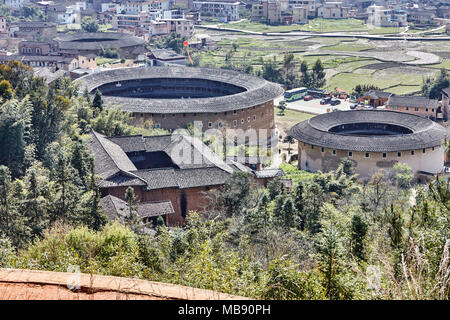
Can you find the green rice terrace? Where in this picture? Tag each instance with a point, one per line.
(397, 66)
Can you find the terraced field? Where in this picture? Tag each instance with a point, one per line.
(396, 66)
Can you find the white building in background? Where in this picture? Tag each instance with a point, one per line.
(16, 4)
(109, 7)
(173, 14)
(135, 7)
(72, 14)
(224, 11)
(380, 16)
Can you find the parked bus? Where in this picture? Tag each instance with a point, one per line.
(295, 94)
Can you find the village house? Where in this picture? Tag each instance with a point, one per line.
(300, 14)
(380, 16)
(272, 11)
(35, 31)
(161, 57)
(421, 106)
(38, 48)
(183, 27)
(170, 174)
(376, 98)
(59, 62)
(3, 27)
(334, 10)
(309, 4)
(222, 10)
(173, 169)
(421, 17)
(15, 4)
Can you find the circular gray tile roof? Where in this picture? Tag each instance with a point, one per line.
(315, 131)
(104, 39)
(257, 90)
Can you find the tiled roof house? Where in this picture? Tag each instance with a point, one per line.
(170, 174)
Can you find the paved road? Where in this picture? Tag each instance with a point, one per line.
(314, 106)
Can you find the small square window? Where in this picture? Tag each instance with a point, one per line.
(334, 152)
(242, 121)
(173, 115)
(234, 111)
(312, 147)
(412, 152)
(423, 150)
(234, 123)
(399, 154)
(350, 154)
(432, 149)
(322, 149)
(248, 119)
(384, 155)
(254, 118)
(209, 124)
(367, 155)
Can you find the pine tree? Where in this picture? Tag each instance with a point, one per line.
(358, 233)
(13, 222)
(299, 204)
(67, 193)
(15, 121)
(97, 103)
(318, 74)
(288, 213)
(36, 199)
(306, 80)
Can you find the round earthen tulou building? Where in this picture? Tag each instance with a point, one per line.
(85, 43)
(372, 140)
(172, 97)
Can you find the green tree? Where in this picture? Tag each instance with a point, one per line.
(282, 107)
(432, 87)
(359, 229)
(5, 90)
(271, 72)
(306, 80)
(173, 41)
(15, 119)
(89, 25)
(290, 140)
(132, 218)
(318, 74)
(403, 175)
(13, 223)
(236, 192)
(97, 103)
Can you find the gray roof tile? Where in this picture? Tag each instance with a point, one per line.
(257, 90)
(315, 131)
